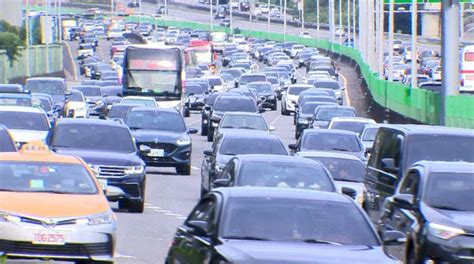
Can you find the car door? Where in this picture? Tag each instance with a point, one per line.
(189, 244)
(208, 163)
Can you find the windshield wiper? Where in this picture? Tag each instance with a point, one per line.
(447, 207)
(339, 149)
(135, 128)
(247, 238)
(318, 241)
(227, 127)
(229, 154)
(247, 127)
(345, 180)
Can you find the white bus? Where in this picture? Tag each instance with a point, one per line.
(467, 69)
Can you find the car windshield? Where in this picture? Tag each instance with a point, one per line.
(47, 87)
(157, 81)
(137, 101)
(370, 133)
(90, 91)
(46, 177)
(329, 141)
(244, 121)
(194, 89)
(42, 103)
(284, 175)
(450, 191)
(248, 145)
(343, 169)
(296, 90)
(155, 120)
(327, 85)
(75, 97)
(24, 120)
(353, 126)
(94, 137)
(261, 88)
(440, 148)
(235, 104)
(308, 108)
(119, 111)
(246, 79)
(293, 219)
(328, 114)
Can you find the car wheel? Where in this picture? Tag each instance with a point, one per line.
(203, 130)
(187, 112)
(136, 206)
(184, 169)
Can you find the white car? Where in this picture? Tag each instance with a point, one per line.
(437, 74)
(216, 82)
(140, 100)
(295, 50)
(25, 123)
(353, 124)
(290, 97)
(76, 106)
(114, 33)
(339, 32)
(304, 34)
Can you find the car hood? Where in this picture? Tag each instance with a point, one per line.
(52, 205)
(245, 251)
(460, 219)
(93, 99)
(20, 135)
(148, 135)
(95, 157)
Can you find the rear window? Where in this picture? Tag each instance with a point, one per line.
(235, 104)
(246, 79)
(247, 145)
(330, 142)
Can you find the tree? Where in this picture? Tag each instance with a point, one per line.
(10, 42)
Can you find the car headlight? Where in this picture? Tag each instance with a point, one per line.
(134, 169)
(185, 140)
(303, 121)
(100, 103)
(444, 232)
(7, 217)
(359, 199)
(98, 219)
(271, 97)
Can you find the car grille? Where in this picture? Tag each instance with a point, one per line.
(167, 147)
(68, 249)
(43, 222)
(111, 171)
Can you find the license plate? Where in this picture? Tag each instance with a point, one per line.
(49, 237)
(156, 153)
(103, 183)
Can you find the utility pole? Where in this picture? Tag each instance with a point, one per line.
(390, 39)
(340, 22)
(27, 36)
(380, 49)
(211, 13)
(461, 20)
(60, 22)
(231, 27)
(111, 6)
(349, 21)
(414, 39)
(317, 19)
(268, 19)
(371, 33)
(331, 21)
(284, 19)
(302, 15)
(449, 53)
(362, 29)
(354, 22)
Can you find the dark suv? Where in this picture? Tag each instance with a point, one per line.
(397, 147)
(433, 207)
(109, 149)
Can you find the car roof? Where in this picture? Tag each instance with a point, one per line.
(153, 109)
(45, 79)
(17, 108)
(88, 121)
(290, 193)
(327, 154)
(352, 119)
(241, 114)
(328, 131)
(139, 98)
(256, 134)
(46, 156)
(275, 158)
(447, 166)
(336, 106)
(426, 129)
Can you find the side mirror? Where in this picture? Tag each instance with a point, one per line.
(67, 93)
(192, 130)
(236, 84)
(208, 153)
(404, 201)
(261, 110)
(144, 149)
(263, 98)
(220, 183)
(388, 165)
(293, 147)
(272, 128)
(199, 227)
(393, 237)
(349, 192)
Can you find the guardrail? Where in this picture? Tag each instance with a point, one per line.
(42, 60)
(418, 104)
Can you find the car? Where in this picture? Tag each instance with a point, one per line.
(114, 33)
(290, 96)
(338, 141)
(134, 3)
(207, 111)
(307, 98)
(225, 23)
(141, 100)
(234, 142)
(36, 224)
(216, 82)
(346, 170)
(354, 124)
(304, 34)
(96, 103)
(432, 207)
(25, 123)
(323, 114)
(15, 98)
(11, 88)
(85, 50)
(330, 84)
(295, 50)
(109, 150)
(367, 136)
(118, 112)
(76, 106)
(249, 78)
(397, 147)
(305, 115)
(258, 170)
(6, 141)
(276, 225)
(242, 120)
(54, 86)
(161, 137)
(266, 94)
(196, 96)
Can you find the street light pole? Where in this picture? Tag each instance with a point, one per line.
(414, 39)
(340, 22)
(354, 22)
(27, 37)
(284, 19)
(349, 21)
(381, 36)
(317, 19)
(302, 15)
(331, 21)
(268, 19)
(390, 39)
(211, 13)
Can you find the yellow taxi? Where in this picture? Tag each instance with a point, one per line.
(52, 207)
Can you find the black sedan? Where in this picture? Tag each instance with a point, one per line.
(161, 137)
(232, 143)
(433, 206)
(276, 225)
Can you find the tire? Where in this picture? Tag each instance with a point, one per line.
(184, 169)
(136, 206)
(187, 113)
(210, 135)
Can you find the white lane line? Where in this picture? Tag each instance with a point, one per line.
(346, 92)
(147, 204)
(152, 207)
(181, 217)
(162, 211)
(118, 255)
(173, 214)
(195, 168)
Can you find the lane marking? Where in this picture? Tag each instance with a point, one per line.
(152, 207)
(346, 91)
(162, 211)
(181, 217)
(173, 214)
(195, 168)
(118, 255)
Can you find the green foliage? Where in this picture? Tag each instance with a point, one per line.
(6, 27)
(10, 42)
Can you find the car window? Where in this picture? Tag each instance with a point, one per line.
(24, 120)
(410, 184)
(450, 191)
(235, 104)
(155, 120)
(328, 142)
(343, 169)
(204, 211)
(242, 121)
(248, 145)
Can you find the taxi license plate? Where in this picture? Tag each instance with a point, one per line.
(103, 183)
(49, 237)
(157, 153)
